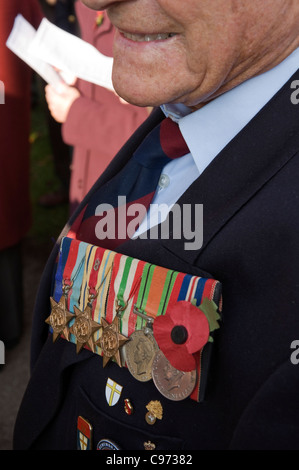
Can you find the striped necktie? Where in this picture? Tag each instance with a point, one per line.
(109, 218)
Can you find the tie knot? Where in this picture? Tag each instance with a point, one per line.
(165, 142)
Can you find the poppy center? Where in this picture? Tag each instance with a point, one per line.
(179, 334)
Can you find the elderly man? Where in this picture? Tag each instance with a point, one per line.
(224, 73)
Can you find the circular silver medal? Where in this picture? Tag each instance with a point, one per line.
(140, 351)
(172, 383)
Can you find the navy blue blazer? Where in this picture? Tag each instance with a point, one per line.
(250, 197)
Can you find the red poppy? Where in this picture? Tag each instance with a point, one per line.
(180, 333)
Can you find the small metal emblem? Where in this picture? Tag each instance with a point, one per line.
(155, 411)
(149, 445)
(128, 407)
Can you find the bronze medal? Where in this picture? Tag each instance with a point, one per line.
(59, 318)
(140, 352)
(84, 328)
(173, 384)
(111, 341)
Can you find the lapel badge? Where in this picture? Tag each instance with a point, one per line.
(155, 411)
(149, 445)
(84, 434)
(128, 407)
(107, 444)
(112, 392)
(99, 19)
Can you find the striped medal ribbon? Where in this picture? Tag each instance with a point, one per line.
(69, 266)
(157, 287)
(94, 282)
(118, 323)
(197, 289)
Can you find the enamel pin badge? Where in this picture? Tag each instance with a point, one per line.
(112, 392)
(84, 434)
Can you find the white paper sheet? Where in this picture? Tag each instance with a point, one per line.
(19, 42)
(71, 54)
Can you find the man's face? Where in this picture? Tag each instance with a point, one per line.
(190, 51)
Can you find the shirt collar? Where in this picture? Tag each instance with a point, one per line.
(208, 130)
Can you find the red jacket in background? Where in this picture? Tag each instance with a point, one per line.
(15, 207)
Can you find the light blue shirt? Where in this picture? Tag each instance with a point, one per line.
(208, 130)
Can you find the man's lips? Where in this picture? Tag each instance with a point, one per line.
(146, 37)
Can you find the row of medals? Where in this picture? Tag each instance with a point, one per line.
(139, 352)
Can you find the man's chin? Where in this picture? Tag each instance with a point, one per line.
(141, 95)
(130, 95)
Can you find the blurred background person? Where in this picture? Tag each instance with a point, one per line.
(62, 14)
(15, 205)
(95, 121)
(65, 16)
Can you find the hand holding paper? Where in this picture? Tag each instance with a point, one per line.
(60, 99)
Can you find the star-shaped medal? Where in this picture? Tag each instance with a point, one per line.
(84, 328)
(111, 341)
(59, 318)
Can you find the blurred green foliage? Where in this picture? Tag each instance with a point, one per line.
(47, 222)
